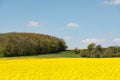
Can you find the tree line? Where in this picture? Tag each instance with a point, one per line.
(97, 51)
(22, 44)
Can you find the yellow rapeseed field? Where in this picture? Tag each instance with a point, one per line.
(60, 69)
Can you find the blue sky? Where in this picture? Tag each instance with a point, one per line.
(78, 22)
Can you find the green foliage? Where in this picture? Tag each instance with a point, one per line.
(76, 51)
(2, 51)
(84, 53)
(91, 46)
(96, 51)
(22, 44)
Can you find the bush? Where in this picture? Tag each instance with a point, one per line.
(96, 51)
(76, 51)
(83, 53)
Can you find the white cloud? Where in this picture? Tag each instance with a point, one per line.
(73, 24)
(67, 38)
(33, 24)
(111, 2)
(93, 40)
(117, 40)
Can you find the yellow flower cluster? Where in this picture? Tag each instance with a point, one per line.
(60, 69)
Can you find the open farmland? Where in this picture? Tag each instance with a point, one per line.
(59, 69)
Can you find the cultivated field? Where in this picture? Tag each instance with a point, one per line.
(59, 69)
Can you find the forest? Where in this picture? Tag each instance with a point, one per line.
(26, 44)
(23, 44)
